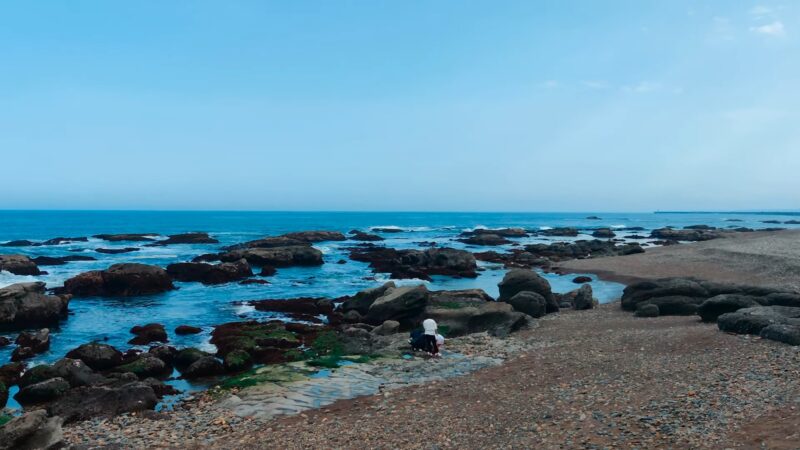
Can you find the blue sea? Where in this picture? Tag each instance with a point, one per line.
(110, 319)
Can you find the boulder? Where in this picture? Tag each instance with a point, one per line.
(4, 341)
(402, 304)
(20, 243)
(65, 240)
(145, 366)
(32, 430)
(356, 235)
(786, 333)
(267, 271)
(18, 265)
(518, 280)
(529, 303)
(560, 251)
(676, 305)
(44, 391)
(96, 355)
(165, 353)
(37, 374)
(237, 361)
(583, 298)
(753, 320)
(420, 264)
(76, 372)
(25, 305)
(645, 290)
(718, 305)
(646, 310)
(387, 328)
(582, 279)
(685, 234)
(206, 366)
(11, 373)
(364, 299)
(186, 238)
(485, 239)
(86, 402)
(305, 306)
(30, 344)
(316, 236)
(299, 255)
(604, 233)
(60, 260)
(145, 334)
(116, 251)
(210, 273)
(496, 318)
(187, 329)
(133, 237)
(122, 280)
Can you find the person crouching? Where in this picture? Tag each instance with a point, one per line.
(430, 345)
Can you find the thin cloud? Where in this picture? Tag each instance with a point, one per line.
(761, 11)
(549, 84)
(643, 87)
(595, 84)
(774, 29)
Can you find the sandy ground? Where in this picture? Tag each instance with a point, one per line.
(758, 258)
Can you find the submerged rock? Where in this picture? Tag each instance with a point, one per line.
(60, 260)
(187, 329)
(129, 279)
(486, 239)
(185, 238)
(356, 235)
(25, 305)
(145, 334)
(116, 251)
(133, 237)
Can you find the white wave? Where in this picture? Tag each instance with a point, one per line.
(476, 227)
(8, 278)
(545, 228)
(386, 227)
(324, 249)
(419, 229)
(410, 282)
(244, 308)
(618, 226)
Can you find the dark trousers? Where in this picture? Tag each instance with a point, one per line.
(430, 344)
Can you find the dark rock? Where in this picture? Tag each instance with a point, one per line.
(582, 279)
(364, 299)
(18, 265)
(25, 305)
(145, 334)
(514, 259)
(32, 430)
(237, 361)
(676, 305)
(188, 356)
(116, 251)
(11, 373)
(771, 221)
(645, 290)
(485, 239)
(685, 234)
(646, 310)
(268, 271)
(145, 366)
(206, 257)
(37, 374)
(30, 344)
(792, 222)
(361, 236)
(186, 238)
(753, 320)
(559, 251)
(419, 264)
(593, 218)
(786, 333)
(87, 402)
(209, 273)
(518, 280)
(718, 305)
(76, 372)
(135, 237)
(402, 304)
(303, 305)
(64, 240)
(496, 318)
(44, 391)
(4, 341)
(165, 353)
(530, 303)
(560, 232)
(60, 260)
(20, 243)
(387, 229)
(207, 366)
(603, 233)
(253, 281)
(387, 328)
(583, 298)
(316, 236)
(300, 255)
(459, 296)
(187, 329)
(97, 356)
(122, 280)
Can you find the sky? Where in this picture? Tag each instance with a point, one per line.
(400, 105)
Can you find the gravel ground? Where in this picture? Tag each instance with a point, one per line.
(764, 258)
(589, 379)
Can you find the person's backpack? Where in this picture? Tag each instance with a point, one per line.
(417, 340)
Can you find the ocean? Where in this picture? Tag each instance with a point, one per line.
(110, 319)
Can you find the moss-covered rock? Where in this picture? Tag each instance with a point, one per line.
(237, 361)
(188, 356)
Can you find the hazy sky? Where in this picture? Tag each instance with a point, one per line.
(400, 105)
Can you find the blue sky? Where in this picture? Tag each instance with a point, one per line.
(400, 105)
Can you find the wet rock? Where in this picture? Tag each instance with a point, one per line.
(188, 356)
(604, 233)
(37, 374)
(267, 343)
(582, 279)
(103, 401)
(647, 310)
(145, 334)
(20, 243)
(18, 265)
(514, 259)
(303, 306)
(316, 236)
(237, 361)
(76, 372)
(4, 341)
(60, 260)
(129, 279)
(419, 264)
(165, 353)
(486, 239)
(145, 366)
(42, 392)
(559, 232)
(364, 299)
(529, 303)
(356, 235)
(210, 273)
(31, 344)
(267, 271)
(96, 355)
(593, 218)
(299, 255)
(32, 430)
(206, 366)
(24, 305)
(402, 304)
(65, 240)
(186, 238)
(116, 251)
(187, 329)
(132, 237)
(718, 305)
(11, 373)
